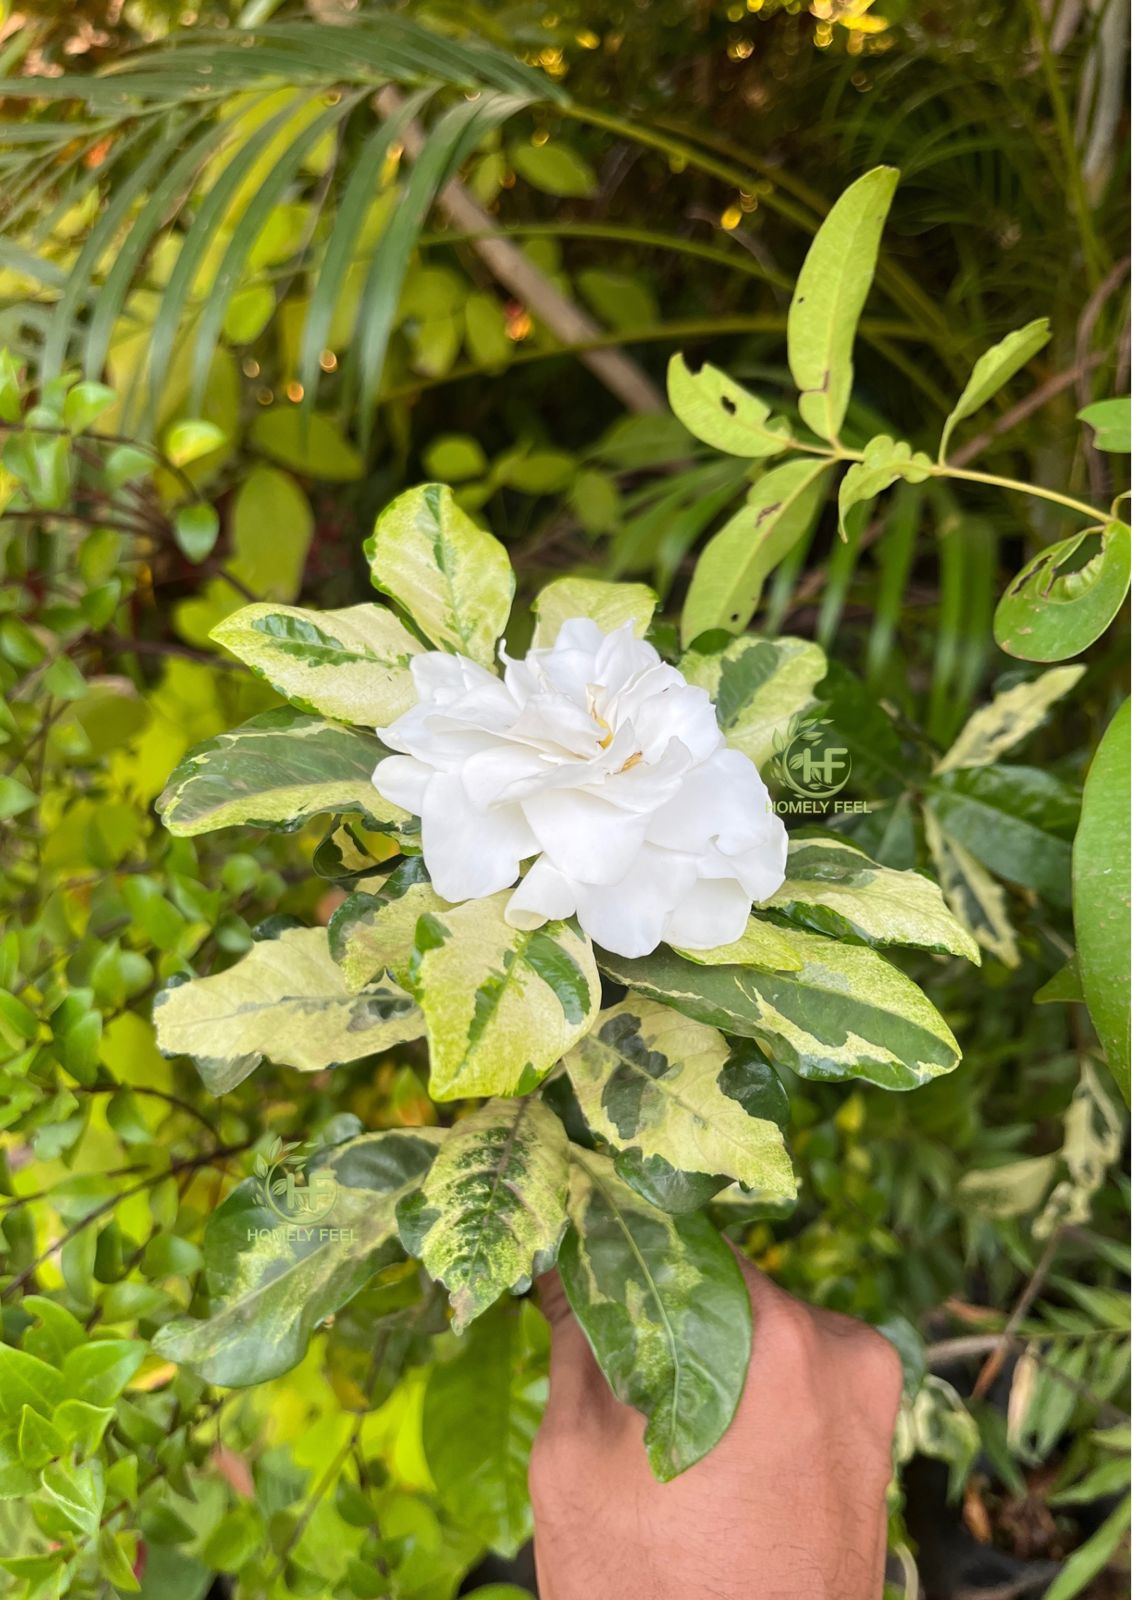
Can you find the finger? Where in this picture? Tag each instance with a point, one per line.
(577, 1386)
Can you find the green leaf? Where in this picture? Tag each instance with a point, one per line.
(15, 798)
(196, 528)
(1101, 895)
(847, 1014)
(190, 439)
(833, 888)
(555, 168)
(1112, 422)
(732, 567)
(453, 579)
(973, 895)
(373, 933)
(757, 685)
(276, 771)
(667, 1093)
(79, 1493)
(759, 945)
(285, 999)
(481, 1412)
(829, 296)
(272, 1282)
(886, 461)
(26, 1380)
(85, 403)
(664, 1305)
(1093, 1556)
(454, 458)
(722, 413)
(38, 1440)
(1018, 821)
(501, 1004)
(96, 1373)
(610, 605)
(83, 1425)
(1009, 718)
(994, 368)
(1047, 614)
(271, 529)
(115, 1562)
(310, 443)
(489, 1216)
(352, 665)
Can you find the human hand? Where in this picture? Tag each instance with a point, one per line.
(790, 1505)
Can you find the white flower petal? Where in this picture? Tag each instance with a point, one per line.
(714, 911)
(402, 780)
(470, 853)
(544, 895)
(629, 917)
(583, 835)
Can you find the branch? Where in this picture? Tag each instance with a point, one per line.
(619, 373)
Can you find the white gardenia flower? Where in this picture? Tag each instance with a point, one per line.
(607, 767)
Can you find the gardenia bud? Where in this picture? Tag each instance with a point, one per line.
(606, 766)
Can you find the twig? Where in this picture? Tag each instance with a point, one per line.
(992, 1366)
(620, 374)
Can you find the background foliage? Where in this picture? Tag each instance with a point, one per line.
(293, 318)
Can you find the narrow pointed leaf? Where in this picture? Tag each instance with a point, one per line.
(829, 296)
(994, 368)
(1008, 719)
(722, 413)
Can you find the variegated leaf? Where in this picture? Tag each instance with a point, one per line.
(276, 771)
(975, 897)
(757, 686)
(672, 1097)
(610, 605)
(273, 1280)
(501, 1004)
(663, 1303)
(490, 1215)
(372, 931)
(286, 999)
(453, 578)
(351, 665)
(760, 944)
(847, 1014)
(832, 887)
(1006, 721)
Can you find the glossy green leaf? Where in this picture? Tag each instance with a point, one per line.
(272, 525)
(757, 685)
(663, 1303)
(1009, 718)
(1101, 895)
(1111, 421)
(481, 1412)
(490, 1214)
(285, 999)
(453, 579)
(733, 565)
(761, 944)
(722, 413)
(502, 1004)
(1018, 821)
(994, 368)
(610, 605)
(829, 296)
(1053, 609)
(352, 665)
(190, 439)
(832, 887)
(668, 1094)
(274, 1277)
(311, 443)
(276, 771)
(847, 1013)
(555, 168)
